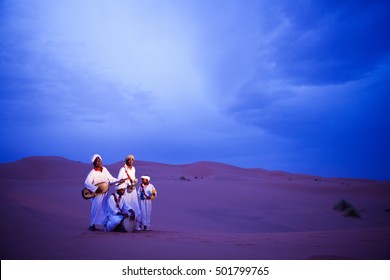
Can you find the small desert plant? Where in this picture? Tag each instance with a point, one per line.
(347, 208)
(352, 212)
(342, 205)
(184, 178)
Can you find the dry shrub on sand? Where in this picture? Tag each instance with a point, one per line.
(347, 208)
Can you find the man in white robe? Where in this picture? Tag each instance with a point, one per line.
(97, 175)
(117, 211)
(146, 193)
(127, 171)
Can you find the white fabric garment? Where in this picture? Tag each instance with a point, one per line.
(131, 198)
(94, 177)
(146, 204)
(112, 209)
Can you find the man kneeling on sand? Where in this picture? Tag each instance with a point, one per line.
(117, 218)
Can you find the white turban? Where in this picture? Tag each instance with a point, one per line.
(145, 177)
(95, 156)
(129, 156)
(121, 186)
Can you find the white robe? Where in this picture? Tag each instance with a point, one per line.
(94, 177)
(112, 209)
(131, 198)
(146, 205)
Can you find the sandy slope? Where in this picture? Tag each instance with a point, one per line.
(203, 211)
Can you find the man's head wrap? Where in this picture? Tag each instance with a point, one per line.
(146, 177)
(93, 158)
(129, 157)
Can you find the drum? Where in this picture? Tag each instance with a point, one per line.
(131, 187)
(129, 225)
(103, 186)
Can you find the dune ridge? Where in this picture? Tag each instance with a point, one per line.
(204, 210)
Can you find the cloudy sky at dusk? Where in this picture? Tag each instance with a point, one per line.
(300, 86)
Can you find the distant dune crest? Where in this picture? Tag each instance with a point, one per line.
(209, 210)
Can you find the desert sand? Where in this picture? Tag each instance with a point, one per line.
(204, 210)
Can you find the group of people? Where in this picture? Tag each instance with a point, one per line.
(128, 208)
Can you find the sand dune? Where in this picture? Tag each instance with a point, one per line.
(204, 210)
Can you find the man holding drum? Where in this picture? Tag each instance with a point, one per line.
(119, 217)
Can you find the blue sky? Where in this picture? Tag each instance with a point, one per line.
(300, 86)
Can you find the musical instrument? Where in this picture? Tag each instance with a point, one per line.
(128, 224)
(87, 194)
(131, 187)
(145, 196)
(153, 196)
